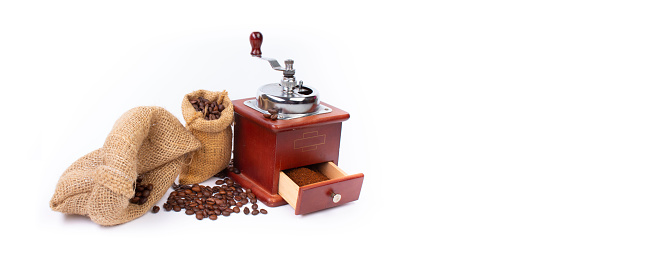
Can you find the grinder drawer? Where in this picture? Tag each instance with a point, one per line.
(339, 189)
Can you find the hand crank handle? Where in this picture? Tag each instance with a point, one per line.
(256, 38)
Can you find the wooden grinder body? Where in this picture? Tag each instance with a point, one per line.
(264, 147)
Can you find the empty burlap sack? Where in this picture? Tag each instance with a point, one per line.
(214, 135)
(146, 141)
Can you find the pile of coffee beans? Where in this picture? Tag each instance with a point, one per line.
(141, 192)
(202, 201)
(272, 114)
(211, 109)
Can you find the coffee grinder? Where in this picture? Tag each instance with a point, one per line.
(287, 126)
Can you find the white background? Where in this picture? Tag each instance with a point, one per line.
(485, 129)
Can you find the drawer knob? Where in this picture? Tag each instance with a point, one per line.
(336, 197)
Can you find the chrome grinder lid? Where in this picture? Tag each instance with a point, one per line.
(289, 98)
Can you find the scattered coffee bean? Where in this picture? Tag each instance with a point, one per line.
(156, 209)
(255, 212)
(224, 171)
(272, 114)
(210, 202)
(263, 211)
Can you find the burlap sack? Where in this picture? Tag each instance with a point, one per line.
(147, 141)
(214, 135)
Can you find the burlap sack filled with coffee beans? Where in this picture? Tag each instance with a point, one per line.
(145, 141)
(213, 133)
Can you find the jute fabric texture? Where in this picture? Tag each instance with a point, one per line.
(146, 141)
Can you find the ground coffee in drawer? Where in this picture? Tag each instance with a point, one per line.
(304, 176)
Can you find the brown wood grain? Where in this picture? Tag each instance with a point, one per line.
(316, 196)
(264, 147)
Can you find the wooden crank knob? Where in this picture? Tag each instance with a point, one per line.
(336, 197)
(255, 40)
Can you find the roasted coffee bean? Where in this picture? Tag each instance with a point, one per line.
(141, 191)
(274, 117)
(263, 211)
(232, 169)
(267, 115)
(156, 209)
(222, 174)
(255, 212)
(211, 109)
(272, 111)
(211, 202)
